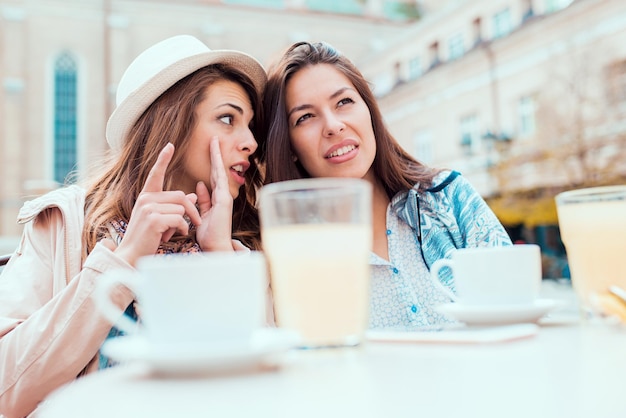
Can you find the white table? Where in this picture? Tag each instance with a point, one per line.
(566, 370)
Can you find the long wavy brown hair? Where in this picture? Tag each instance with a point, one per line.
(394, 168)
(170, 118)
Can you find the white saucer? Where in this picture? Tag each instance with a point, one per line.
(263, 349)
(498, 314)
(460, 334)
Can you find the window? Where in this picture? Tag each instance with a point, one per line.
(526, 112)
(434, 55)
(274, 4)
(333, 6)
(397, 71)
(528, 10)
(478, 31)
(415, 68)
(502, 23)
(554, 5)
(423, 146)
(470, 133)
(64, 116)
(456, 49)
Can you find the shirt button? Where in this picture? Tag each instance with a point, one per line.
(395, 271)
(389, 232)
(414, 308)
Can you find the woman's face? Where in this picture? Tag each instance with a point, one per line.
(330, 126)
(226, 112)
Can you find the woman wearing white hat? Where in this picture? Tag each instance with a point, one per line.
(181, 178)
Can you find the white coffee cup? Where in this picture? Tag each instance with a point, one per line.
(509, 275)
(185, 299)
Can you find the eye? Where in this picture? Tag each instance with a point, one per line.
(303, 118)
(344, 101)
(226, 119)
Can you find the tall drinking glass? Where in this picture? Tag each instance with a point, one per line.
(317, 237)
(593, 228)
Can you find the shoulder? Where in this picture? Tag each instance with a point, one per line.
(449, 182)
(67, 199)
(442, 180)
(445, 186)
(451, 185)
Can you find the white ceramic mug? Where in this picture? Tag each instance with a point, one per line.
(509, 275)
(209, 298)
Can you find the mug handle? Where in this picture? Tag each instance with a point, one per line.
(434, 275)
(102, 297)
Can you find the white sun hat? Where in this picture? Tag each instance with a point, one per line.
(158, 68)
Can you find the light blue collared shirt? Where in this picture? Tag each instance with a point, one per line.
(449, 215)
(403, 297)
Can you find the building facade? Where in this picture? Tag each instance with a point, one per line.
(60, 61)
(519, 95)
(524, 97)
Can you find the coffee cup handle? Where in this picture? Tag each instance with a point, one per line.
(434, 275)
(102, 297)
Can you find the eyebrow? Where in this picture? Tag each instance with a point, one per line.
(234, 106)
(308, 106)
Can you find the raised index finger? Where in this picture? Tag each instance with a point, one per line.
(217, 163)
(156, 176)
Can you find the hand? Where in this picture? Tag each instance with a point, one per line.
(157, 214)
(216, 207)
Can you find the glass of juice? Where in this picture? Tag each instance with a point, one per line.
(592, 222)
(317, 237)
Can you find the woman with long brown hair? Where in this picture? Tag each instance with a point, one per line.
(322, 120)
(180, 178)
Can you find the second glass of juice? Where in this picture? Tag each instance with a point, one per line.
(317, 236)
(592, 222)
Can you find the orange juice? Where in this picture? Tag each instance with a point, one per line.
(320, 279)
(593, 229)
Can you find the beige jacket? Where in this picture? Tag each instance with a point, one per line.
(50, 330)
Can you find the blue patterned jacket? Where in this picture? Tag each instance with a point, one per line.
(451, 215)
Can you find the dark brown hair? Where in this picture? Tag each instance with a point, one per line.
(394, 168)
(170, 118)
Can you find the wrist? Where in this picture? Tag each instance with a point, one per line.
(225, 246)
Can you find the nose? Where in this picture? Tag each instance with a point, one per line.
(333, 125)
(248, 143)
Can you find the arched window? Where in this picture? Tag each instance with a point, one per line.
(64, 116)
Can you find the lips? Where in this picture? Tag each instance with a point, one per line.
(239, 170)
(341, 151)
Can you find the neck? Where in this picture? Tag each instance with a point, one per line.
(380, 201)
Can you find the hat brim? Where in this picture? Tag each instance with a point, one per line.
(128, 112)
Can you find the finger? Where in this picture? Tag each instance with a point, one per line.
(156, 177)
(167, 235)
(218, 171)
(204, 198)
(192, 211)
(184, 203)
(192, 197)
(173, 224)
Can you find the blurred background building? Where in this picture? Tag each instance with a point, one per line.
(525, 97)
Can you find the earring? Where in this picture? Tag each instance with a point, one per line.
(294, 158)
